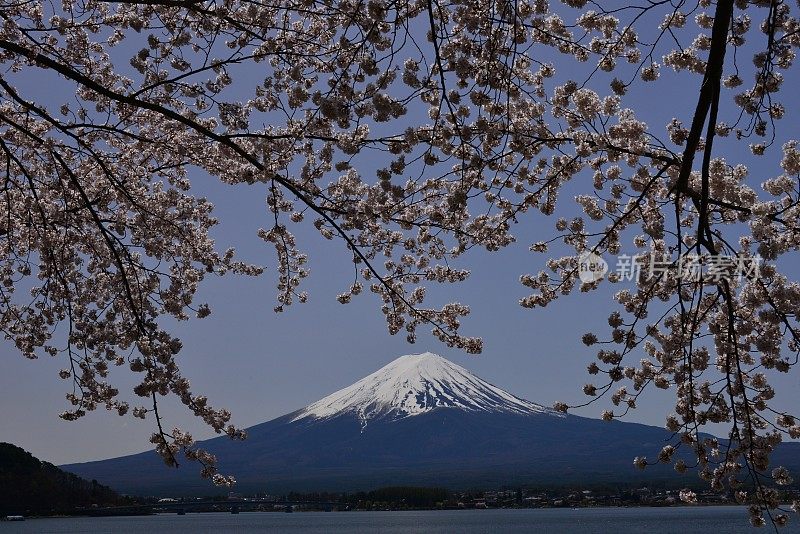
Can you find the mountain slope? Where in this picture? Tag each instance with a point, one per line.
(30, 486)
(421, 420)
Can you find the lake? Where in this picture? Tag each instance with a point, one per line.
(722, 519)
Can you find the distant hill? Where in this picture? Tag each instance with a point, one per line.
(29, 486)
(423, 421)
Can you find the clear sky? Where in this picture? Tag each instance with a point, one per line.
(261, 365)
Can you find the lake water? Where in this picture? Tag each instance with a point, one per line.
(684, 520)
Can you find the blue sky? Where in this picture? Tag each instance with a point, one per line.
(261, 365)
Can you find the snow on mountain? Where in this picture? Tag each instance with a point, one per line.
(415, 384)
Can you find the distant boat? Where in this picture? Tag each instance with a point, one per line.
(289, 510)
(234, 509)
(15, 518)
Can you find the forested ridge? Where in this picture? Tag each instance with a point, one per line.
(30, 486)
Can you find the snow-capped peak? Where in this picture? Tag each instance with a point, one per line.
(415, 384)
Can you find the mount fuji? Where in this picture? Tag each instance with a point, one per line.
(416, 384)
(420, 420)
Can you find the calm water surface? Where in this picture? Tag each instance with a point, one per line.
(722, 519)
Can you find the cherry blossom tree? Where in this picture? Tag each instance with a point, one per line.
(412, 132)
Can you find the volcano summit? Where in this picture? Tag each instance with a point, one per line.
(417, 384)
